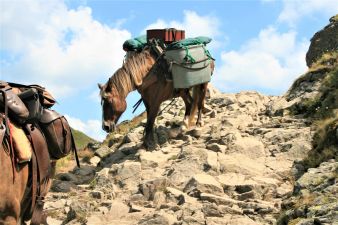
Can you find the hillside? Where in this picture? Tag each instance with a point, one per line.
(257, 160)
(81, 139)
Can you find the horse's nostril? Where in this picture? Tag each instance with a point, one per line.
(106, 128)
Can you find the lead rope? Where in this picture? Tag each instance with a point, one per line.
(160, 113)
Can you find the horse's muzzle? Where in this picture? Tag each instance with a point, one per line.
(108, 126)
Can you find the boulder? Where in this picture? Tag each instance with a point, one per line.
(203, 183)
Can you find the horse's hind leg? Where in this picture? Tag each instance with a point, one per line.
(203, 92)
(185, 94)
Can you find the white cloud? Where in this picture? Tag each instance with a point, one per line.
(92, 128)
(194, 25)
(65, 50)
(296, 9)
(268, 63)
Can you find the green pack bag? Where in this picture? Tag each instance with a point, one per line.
(190, 65)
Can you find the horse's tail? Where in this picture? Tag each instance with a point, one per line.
(196, 93)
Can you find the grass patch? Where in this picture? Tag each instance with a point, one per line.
(325, 144)
(63, 164)
(86, 154)
(81, 139)
(124, 128)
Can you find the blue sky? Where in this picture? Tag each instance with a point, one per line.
(70, 46)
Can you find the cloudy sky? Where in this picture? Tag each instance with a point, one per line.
(70, 46)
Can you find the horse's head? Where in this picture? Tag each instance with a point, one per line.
(113, 105)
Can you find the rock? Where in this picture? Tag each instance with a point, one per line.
(240, 163)
(94, 161)
(216, 147)
(156, 219)
(212, 161)
(316, 177)
(53, 221)
(212, 210)
(174, 132)
(129, 175)
(218, 199)
(103, 210)
(129, 148)
(202, 183)
(85, 174)
(67, 177)
(102, 151)
(62, 186)
(249, 146)
(118, 209)
(97, 194)
(162, 135)
(150, 187)
(132, 137)
(159, 199)
(240, 220)
(135, 208)
(224, 100)
(153, 159)
(196, 132)
(325, 40)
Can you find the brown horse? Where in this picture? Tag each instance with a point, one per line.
(20, 184)
(147, 74)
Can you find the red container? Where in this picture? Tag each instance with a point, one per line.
(166, 35)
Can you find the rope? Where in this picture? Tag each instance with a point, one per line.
(188, 57)
(160, 113)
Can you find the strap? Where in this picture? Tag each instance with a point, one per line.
(75, 150)
(137, 104)
(8, 132)
(34, 177)
(73, 145)
(160, 113)
(188, 57)
(189, 68)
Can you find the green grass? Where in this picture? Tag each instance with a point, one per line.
(81, 140)
(125, 127)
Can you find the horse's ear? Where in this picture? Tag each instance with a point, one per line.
(100, 86)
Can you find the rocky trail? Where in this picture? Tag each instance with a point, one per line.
(257, 160)
(234, 170)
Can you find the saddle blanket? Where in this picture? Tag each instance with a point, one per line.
(22, 146)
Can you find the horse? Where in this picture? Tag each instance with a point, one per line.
(22, 187)
(147, 73)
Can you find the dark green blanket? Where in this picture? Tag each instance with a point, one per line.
(189, 41)
(135, 44)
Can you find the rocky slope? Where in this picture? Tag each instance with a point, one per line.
(249, 164)
(235, 170)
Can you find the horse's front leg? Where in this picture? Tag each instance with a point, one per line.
(149, 139)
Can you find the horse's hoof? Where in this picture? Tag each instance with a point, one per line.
(150, 146)
(200, 124)
(184, 127)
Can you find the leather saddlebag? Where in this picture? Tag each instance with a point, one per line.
(46, 99)
(30, 98)
(166, 35)
(16, 108)
(58, 134)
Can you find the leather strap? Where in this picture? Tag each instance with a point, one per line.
(8, 132)
(34, 180)
(73, 145)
